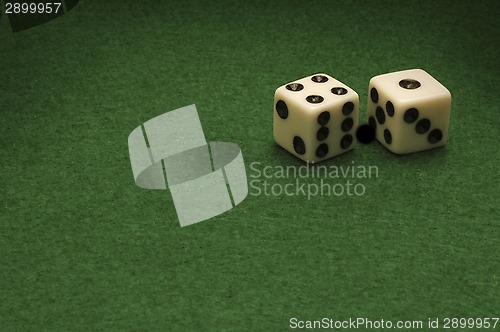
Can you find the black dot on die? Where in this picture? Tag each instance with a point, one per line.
(409, 84)
(314, 99)
(411, 115)
(319, 79)
(347, 108)
(380, 115)
(371, 122)
(346, 141)
(294, 87)
(374, 95)
(389, 107)
(422, 126)
(322, 150)
(366, 133)
(299, 145)
(282, 109)
(323, 118)
(435, 136)
(387, 136)
(322, 133)
(339, 91)
(347, 124)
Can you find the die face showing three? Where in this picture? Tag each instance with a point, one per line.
(410, 111)
(316, 117)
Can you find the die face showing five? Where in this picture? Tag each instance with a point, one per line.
(316, 117)
(410, 111)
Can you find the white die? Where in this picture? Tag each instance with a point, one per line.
(316, 117)
(410, 111)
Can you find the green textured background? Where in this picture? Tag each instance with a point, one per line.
(83, 248)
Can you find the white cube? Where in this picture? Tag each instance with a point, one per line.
(316, 117)
(410, 111)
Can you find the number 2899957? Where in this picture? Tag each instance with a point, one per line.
(32, 8)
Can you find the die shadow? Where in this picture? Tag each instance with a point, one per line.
(372, 153)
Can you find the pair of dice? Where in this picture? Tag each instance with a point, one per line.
(316, 117)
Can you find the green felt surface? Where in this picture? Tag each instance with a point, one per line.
(83, 248)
